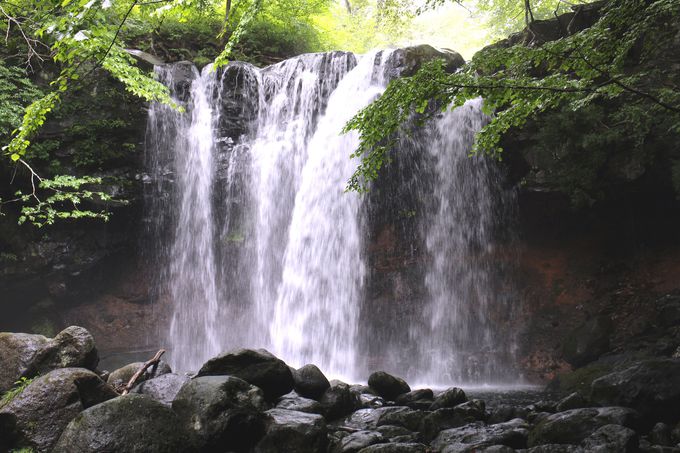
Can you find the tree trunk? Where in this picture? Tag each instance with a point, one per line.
(348, 6)
(227, 11)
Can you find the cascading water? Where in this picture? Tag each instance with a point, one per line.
(460, 343)
(263, 247)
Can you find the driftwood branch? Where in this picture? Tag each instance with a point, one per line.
(151, 363)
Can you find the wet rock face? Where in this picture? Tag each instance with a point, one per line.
(163, 388)
(388, 386)
(477, 435)
(123, 375)
(310, 382)
(221, 412)
(651, 387)
(294, 432)
(573, 426)
(406, 61)
(257, 367)
(131, 423)
(43, 409)
(25, 355)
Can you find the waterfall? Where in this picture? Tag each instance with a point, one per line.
(460, 343)
(257, 245)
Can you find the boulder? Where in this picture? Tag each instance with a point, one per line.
(400, 447)
(449, 398)
(573, 401)
(588, 342)
(406, 61)
(661, 435)
(310, 382)
(554, 448)
(293, 432)
(221, 412)
(257, 367)
(368, 419)
(163, 388)
(131, 423)
(338, 401)
(505, 412)
(122, 375)
(611, 439)
(36, 417)
(477, 435)
(573, 426)
(387, 386)
(358, 440)
(393, 432)
(27, 355)
(401, 416)
(294, 402)
(416, 399)
(651, 387)
(446, 418)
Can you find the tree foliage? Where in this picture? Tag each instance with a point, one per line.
(618, 59)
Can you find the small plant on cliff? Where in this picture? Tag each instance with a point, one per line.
(19, 387)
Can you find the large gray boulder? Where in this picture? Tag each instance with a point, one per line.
(573, 426)
(27, 355)
(131, 423)
(358, 440)
(257, 367)
(407, 61)
(338, 401)
(294, 402)
(293, 432)
(651, 387)
(449, 398)
(310, 382)
(36, 417)
(446, 418)
(387, 386)
(478, 435)
(163, 388)
(122, 375)
(612, 439)
(221, 413)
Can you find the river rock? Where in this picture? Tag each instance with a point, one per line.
(294, 402)
(393, 432)
(572, 426)
(661, 435)
(611, 439)
(416, 399)
(36, 417)
(651, 387)
(338, 401)
(554, 448)
(26, 355)
(163, 388)
(310, 382)
(446, 418)
(122, 375)
(477, 435)
(506, 412)
(449, 398)
(401, 447)
(358, 440)
(258, 367)
(130, 423)
(573, 401)
(401, 416)
(293, 432)
(387, 386)
(221, 412)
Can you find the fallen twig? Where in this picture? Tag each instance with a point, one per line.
(135, 377)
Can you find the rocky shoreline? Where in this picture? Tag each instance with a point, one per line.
(56, 400)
